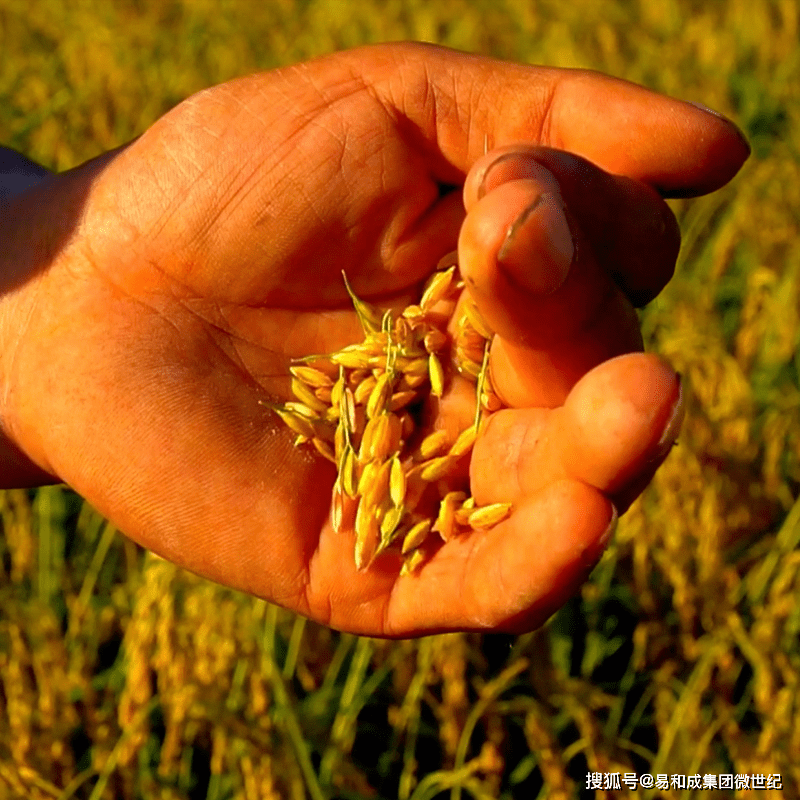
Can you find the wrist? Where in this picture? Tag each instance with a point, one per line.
(18, 173)
(17, 470)
(42, 311)
(30, 238)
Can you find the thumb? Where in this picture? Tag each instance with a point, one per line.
(532, 273)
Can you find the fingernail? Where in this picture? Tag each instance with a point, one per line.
(596, 550)
(673, 426)
(722, 117)
(538, 249)
(708, 110)
(610, 530)
(515, 166)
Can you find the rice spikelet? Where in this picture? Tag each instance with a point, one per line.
(365, 419)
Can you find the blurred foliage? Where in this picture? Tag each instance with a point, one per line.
(121, 676)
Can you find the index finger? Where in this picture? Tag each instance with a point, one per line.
(457, 104)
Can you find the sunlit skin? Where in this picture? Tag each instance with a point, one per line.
(155, 295)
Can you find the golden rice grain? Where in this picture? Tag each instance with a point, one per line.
(302, 409)
(353, 359)
(477, 321)
(401, 399)
(413, 366)
(367, 477)
(469, 369)
(362, 392)
(445, 521)
(348, 473)
(436, 375)
(306, 395)
(434, 444)
(339, 442)
(337, 507)
(464, 442)
(486, 516)
(311, 377)
(437, 288)
(397, 481)
(367, 535)
(338, 389)
(347, 410)
(490, 401)
(365, 447)
(325, 394)
(412, 562)
(324, 448)
(416, 536)
(381, 437)
(379, 397)
(293, 421)
(389, 524)
(376, 491)
(374, 344)
(437, 468)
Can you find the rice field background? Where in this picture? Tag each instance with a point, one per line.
(124, 677)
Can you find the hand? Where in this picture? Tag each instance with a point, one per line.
(154, 295)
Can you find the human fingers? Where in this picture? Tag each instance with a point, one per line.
(454, 103)
(533, 273)
(568, 473)
(513, 576)
(616, 427)
(629, 228)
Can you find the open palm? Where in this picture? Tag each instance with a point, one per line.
(209, 253)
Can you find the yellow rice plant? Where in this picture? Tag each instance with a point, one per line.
(123, 677)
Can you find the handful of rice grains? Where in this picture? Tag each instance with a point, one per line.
(365, 421)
